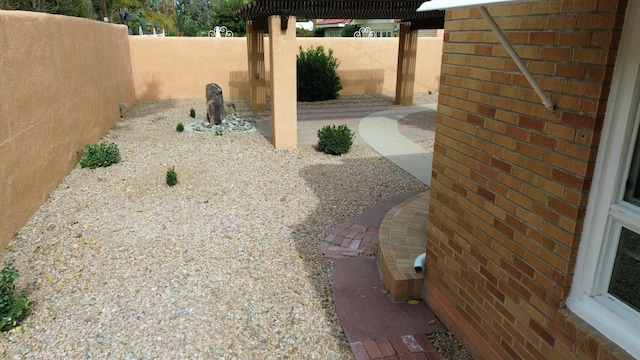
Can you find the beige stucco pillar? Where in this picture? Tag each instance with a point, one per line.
(407, 51)
(282, 56)
(257, 83)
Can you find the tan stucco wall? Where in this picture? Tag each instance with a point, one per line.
(61, 80)
(176, 68)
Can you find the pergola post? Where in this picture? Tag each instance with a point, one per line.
(257, 83)
(282, 55)
(406, 73)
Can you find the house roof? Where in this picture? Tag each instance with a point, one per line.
(259, 10)
(333, 21)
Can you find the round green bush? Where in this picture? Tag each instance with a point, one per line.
(335, 140)
(317, 76)
(13, 307)
(180, 127)
(99, 155)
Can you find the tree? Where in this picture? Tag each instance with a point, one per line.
(223, 12)
(304, 33)
(193, 17)
(349, 30)
(79, 8)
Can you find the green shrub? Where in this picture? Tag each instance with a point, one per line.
(13, 308)
(192, 112)
(172, 176)
(349, 30)
(99, 155)
(335, 140)
(304, 33)
(317, 76)
(180, 127)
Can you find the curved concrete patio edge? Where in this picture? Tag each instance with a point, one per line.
(380, 131)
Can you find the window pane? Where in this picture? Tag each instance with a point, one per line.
(632, 191)
(625, 282)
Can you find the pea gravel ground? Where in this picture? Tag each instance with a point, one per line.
(224, 265)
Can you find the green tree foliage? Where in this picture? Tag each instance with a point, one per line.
(193, 17)
(317, 76)
(223, 12)
(304, 33)
(183, 17)
(156, 12)
(349, 30)
(79, 8)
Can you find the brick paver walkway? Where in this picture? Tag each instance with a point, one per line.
(349, 240)
(407, 347)
(352, 239)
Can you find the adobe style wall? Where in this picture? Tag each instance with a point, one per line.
(175, 68)
(61, 80)
(511, 179)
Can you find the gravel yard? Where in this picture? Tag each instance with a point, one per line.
(222, 265)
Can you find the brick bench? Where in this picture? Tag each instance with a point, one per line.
(402, 238)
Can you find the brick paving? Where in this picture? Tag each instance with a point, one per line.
(353, 239)
(400, 347)
(350, 240)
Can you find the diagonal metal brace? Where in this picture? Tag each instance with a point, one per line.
(516, 58)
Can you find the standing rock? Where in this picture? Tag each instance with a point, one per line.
(215, 102)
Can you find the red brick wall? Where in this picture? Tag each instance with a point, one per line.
(511, 179)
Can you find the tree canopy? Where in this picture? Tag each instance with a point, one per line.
(179, 17)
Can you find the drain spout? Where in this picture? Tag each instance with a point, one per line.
(419, 263)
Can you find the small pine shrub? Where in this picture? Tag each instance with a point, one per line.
(13, 308)
(99, 155)
(172, 176)
(192, 113)
(317, 76)
(180, 127)
(335, 140)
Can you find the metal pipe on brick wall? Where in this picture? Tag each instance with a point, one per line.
(418, 264)
(516, 58)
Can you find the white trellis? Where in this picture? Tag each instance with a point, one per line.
(219, 30)
(364, 32)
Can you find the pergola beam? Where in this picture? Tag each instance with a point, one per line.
(278, 18)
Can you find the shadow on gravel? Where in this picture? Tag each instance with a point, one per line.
(356, 185)
(149, 107)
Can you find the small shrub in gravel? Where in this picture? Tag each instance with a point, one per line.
(172, 176)
(192, 113)
(180, 127)
(335, 140)
(99, 155)
(13, 308)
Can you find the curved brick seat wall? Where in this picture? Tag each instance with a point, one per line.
(403, 236)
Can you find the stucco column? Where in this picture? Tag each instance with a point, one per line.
(282, 55)
(257, 83)
(405, 78)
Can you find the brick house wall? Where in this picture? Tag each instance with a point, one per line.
(511, 179)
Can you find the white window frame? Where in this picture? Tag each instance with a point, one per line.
(607, 314)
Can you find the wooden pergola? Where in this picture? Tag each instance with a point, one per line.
(278, 17)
